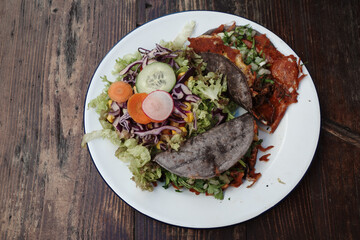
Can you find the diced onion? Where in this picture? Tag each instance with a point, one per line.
(264, 71)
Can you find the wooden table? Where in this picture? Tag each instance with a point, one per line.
(49, 187)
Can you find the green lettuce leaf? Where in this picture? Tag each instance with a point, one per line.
(123, 62)
(104, 133)
(144, 171)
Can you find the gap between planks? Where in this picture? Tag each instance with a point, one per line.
(341, 132)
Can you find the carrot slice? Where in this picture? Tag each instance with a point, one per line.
(120, 91)
(135, 110)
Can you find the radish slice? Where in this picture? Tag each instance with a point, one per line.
(158, 105)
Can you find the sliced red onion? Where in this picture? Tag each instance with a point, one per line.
(192, 98)
(136, 128)
(163, 146)
(157, 131)
(114, 106)
(181, 91)
(122, 121)
(150, 61)
(161, 48)
(116, 124)
(141, 126)
(127, 69)
(122, 105)
(114, 113)
(126, 124)
(179, 112)
(168, 55)
(130, 78)
(147, 61)
(159, 124)
(149, 140)
(115, 109)
(144, 61)
(143, 50)
(119, 128)
(184, 88)
(177, 120)
(152, 53)
(177, 94)
(172, 63)
(179, 104)
(220, 115)
(190, 72)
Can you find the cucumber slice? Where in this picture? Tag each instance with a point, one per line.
(156, 76)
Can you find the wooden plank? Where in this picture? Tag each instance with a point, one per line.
(333, 60)
(148, 228)
(335, 189)
(50, 187)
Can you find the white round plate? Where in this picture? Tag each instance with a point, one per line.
(294, 141)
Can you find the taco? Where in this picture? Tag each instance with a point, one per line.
(272, 77)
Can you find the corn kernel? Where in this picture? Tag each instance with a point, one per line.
(189, 117)
(189, 79)
(158, 144)
(183, 131)
(109, 103)
(180, 75)
(188, 106)
(110, 118)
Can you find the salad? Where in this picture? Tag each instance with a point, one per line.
(161, 98)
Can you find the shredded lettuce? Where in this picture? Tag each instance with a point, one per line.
(209, 87)
(212, 186)
(144, 172)
(136, 155)
(104, 133)
(100, 103)
(182, 37)
(175, 141)
(123, 62)
(145, 176)
(183, 64)
(203, 118)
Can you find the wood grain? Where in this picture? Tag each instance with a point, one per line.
(49, 187)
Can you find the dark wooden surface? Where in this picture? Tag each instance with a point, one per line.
(49, 187)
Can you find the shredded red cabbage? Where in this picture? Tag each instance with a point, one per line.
(159, 53)
(151, 135)
(219, 115)
(182, 92)
(146, 136)
(187, 74)
(127, 69)
(157, 131)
